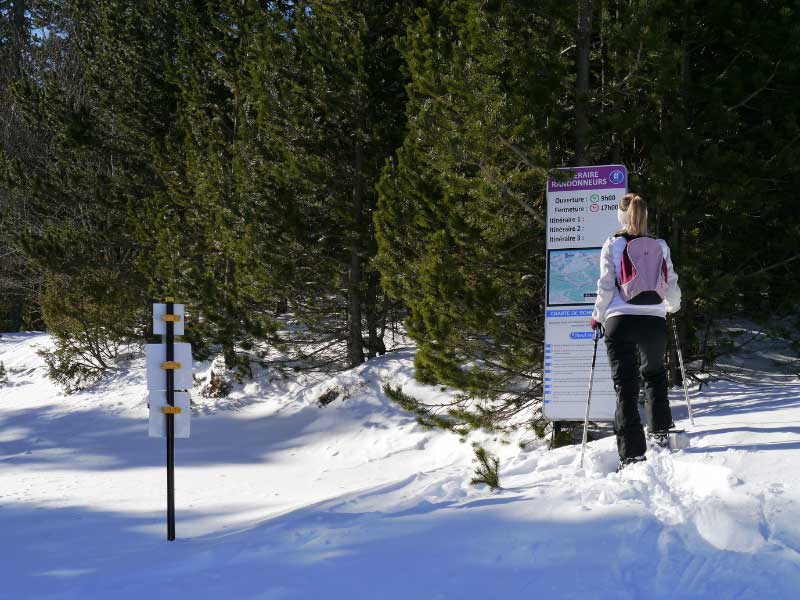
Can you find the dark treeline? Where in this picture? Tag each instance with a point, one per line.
(338, 166)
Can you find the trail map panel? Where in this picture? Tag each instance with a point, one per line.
(572, 276)
(581, 216)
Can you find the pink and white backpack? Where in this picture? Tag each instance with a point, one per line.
(642, 273)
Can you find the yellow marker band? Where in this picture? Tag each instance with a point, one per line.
(169, 299)
(170, 365)
(170, 318)
(171, 410)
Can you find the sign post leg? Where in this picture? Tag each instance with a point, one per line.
(170, 350)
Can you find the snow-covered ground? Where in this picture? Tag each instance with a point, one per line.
(279, 498)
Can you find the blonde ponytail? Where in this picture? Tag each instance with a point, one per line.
(636, 210)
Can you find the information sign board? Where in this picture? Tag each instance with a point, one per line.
(156, 355)
(158, 424)
(160, 326)
(581, 216)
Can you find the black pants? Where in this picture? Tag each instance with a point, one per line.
(627, 335)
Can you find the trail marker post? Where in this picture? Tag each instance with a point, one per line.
(169, 367)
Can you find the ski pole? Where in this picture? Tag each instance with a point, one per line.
(598, 333)
(683, 370)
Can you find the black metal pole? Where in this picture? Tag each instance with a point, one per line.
(170, 426)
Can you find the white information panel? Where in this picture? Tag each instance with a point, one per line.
(158, 424)
(155, 354)
(581, 216)
(160, 326)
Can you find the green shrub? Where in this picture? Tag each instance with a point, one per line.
(93, 318)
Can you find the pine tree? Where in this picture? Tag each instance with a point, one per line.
(460, 223)
(203, 231)
(17, 281)
(228, 152)
(488, 469)
(99, 111)
(329, 102)
(699, 100)
(286, 113)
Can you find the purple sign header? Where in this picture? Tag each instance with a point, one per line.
(591, 178)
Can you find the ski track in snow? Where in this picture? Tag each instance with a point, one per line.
(278, 498)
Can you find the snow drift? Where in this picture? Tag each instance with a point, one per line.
(279, 498)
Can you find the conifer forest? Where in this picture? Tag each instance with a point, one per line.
(312, 176)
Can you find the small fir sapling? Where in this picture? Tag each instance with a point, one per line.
(488, 469)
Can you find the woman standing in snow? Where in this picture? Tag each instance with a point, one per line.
(637, 287)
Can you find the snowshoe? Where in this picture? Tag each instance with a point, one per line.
(673, 439)
(659, 439)
(678, 439)
(624, 462)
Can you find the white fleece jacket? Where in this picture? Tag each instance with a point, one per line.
(609, 303)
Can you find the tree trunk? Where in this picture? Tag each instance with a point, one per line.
(375, 344)
(20, 34)
(680, 196)
(355, 350)
(229, 354)
(583, 41)
(299, 11)
(16, 316)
